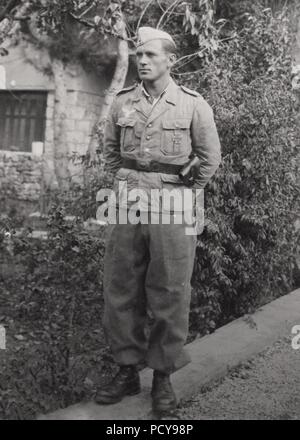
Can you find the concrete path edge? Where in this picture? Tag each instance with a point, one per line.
(212, 356)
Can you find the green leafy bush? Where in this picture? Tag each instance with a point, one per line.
(51, 305)
(246, 255)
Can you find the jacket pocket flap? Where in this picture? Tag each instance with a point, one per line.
(122, 173)
(125, 122)
(173, 124)
(171, 178)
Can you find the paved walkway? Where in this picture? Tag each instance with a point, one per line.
(266, 387)
(275, 374)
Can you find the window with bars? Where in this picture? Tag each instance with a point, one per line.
(22, 119)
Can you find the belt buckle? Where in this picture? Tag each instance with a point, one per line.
(143, 166)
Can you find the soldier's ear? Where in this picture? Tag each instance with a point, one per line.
(172, 59)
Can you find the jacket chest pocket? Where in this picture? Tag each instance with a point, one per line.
(175, 136)
(130, 134)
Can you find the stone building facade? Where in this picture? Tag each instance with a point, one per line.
(21, 163)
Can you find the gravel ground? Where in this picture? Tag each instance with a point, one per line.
(265, 387)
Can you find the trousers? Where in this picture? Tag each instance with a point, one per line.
(148, 268)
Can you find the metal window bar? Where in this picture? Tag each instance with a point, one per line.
(22, 119)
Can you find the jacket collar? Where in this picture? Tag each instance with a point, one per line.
(169, 93)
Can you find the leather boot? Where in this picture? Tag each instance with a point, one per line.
(163, 395)
(125, 383)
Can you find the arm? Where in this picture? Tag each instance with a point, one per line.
(111, 149)
(205, 142)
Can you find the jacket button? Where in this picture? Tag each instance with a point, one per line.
(148, 137)
(150, 125)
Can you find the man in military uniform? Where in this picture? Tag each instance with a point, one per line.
(152, 129)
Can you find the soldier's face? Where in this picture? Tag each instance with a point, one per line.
(153, 61)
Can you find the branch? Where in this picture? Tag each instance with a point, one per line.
(8, 8)
(167, 11)
(117, 83)
(187, 73)
(163, 10)
(143, 13)
(35, 33)
(24, 18)
(82, 20)
(94, 26)
(185, 63)
(87, 10)
(10, 26)
(191, 55)
(160, 6)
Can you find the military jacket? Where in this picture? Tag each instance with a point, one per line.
(180, 122)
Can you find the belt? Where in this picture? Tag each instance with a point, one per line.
(152, 166)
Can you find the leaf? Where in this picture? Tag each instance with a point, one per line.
(247, 164)
(250, 321)
(297, 225)
(97, 20)
(3, 52)
(19, 337)
(187, 13)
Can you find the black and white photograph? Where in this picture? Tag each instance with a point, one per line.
(149, 213)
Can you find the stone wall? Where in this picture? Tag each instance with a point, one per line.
(21, 174)
(20, 182)
(84, 110)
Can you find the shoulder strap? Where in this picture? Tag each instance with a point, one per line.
(189, 91)
(126, 89)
